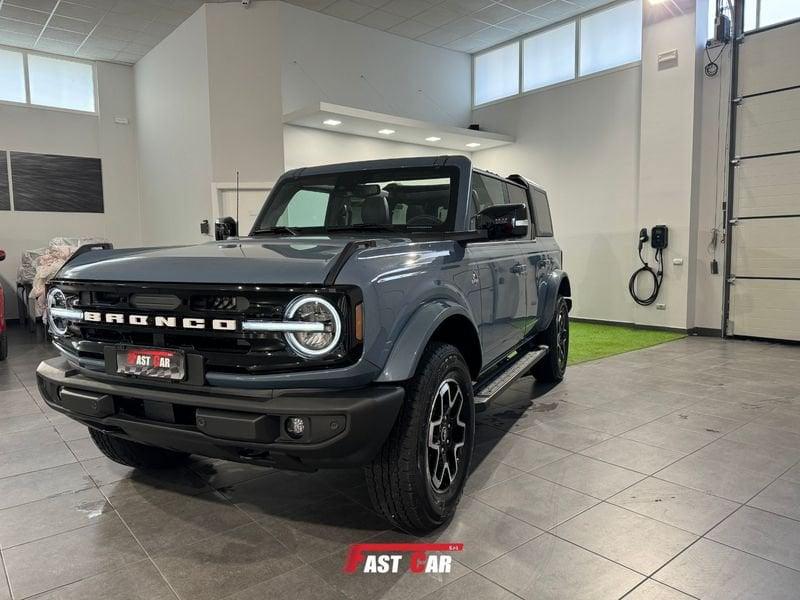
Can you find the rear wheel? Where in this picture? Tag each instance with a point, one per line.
(133, 454)
(556, 337)
(418, 476)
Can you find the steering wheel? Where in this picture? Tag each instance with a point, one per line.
(423, 220)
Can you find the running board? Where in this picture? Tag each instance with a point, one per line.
(493, 388)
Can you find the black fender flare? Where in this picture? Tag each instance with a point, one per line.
(414, 337)
(548, 293)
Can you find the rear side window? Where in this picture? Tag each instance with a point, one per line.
(541, 214)
(487, 191)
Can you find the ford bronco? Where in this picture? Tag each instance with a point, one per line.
(373, 308)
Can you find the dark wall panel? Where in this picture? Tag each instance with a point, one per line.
(47, 182)
(5, 199)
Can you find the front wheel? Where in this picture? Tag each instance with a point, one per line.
(417, 478)
(556, 337)
(133, 454)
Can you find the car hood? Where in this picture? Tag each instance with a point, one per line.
(274, 260)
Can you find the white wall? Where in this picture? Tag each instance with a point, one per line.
(174, 135)
(74, 134)
(244, 77)
(581, 142)
(325, 58)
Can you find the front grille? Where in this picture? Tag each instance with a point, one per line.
(236, 352)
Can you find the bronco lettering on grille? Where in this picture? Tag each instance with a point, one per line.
(160, 321)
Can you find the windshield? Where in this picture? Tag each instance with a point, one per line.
(407, 200)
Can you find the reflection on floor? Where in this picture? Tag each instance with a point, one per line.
(653, 474)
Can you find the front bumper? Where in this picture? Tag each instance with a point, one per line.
(343, 428)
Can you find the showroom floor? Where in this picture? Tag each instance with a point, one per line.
(666, 469)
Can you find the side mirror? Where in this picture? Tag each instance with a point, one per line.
(503, 221)
(2, 255)
(224, 228)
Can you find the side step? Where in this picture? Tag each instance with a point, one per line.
(496, 386)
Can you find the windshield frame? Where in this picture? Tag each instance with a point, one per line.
(392, 173)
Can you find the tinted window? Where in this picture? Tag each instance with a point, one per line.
(541, 214)
(403, 199)
(487, 191)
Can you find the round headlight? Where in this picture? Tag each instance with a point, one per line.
(56, 300)
(313, 309)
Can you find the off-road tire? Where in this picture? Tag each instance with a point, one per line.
(3, 346)
(398, 481)
(551, 369)
(133, 454)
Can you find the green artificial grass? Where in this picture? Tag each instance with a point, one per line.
(590, 341)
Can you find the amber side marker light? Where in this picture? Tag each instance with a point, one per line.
(360, 322)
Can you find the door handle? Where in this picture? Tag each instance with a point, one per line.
(518, 268)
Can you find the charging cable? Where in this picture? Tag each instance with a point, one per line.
(657, 275)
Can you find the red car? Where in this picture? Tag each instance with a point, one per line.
(3, 334)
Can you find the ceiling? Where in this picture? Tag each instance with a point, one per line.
(125, 30)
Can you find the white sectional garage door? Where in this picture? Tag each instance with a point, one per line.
(764, 266)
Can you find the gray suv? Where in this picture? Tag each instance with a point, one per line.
(371, 311)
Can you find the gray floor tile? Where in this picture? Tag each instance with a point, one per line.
(139, 581)
(104, 471)
(605, 420)
(649, 405)
(69, 557)
(180, 521)
(18, 404)
(302, 583)
(590, 476)
(486, 473)
(696, 421)
(740, 410)
(638, 542)
(766, 437)
(761, 533)
(5, 592)
(28, 440)
(226, 564)
(51, 516)
(319, 529)
(30, 487)
(471, 585)
(670, 437)
(745, 456)
(781, 497)
(564, 435)
(385, 586)
(536, 501)
(633, 455)
(276, 491)
(485, 532)
(84, 449)
(25, 461)
(653, 590)
(675, 505)
(520, 452)
(68, 429)
(549, 568)
(712, 571)
(23, 423)
(155, 488)
(222, 473)
(716, 477)
(781, 419)
(792, 474)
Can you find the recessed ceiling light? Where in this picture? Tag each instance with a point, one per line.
(331, 122)
(386, 131)
(433, 138)
(473, 145)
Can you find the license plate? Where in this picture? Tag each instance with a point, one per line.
(151, 362)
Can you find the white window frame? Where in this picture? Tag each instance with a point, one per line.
(521, 39)
(25, 53)
(517, 41)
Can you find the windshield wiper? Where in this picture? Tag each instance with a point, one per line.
(362, 226)
(276, 229)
